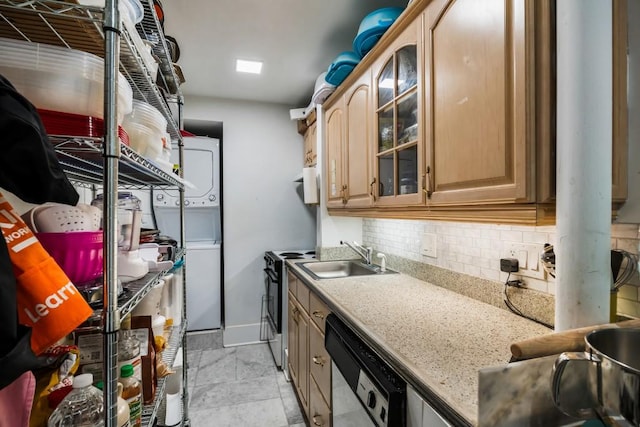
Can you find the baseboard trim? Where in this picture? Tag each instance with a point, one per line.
(241, 335)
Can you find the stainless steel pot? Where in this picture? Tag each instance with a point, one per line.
(609, 371)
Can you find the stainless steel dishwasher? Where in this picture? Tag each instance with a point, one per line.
(365, 390)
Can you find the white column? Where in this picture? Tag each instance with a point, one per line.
(584, 132)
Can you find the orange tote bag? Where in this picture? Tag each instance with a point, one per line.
(47, 300)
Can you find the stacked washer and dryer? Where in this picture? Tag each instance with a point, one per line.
(202, 228)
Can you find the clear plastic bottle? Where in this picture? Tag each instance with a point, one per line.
(132, 393)
(82, 407)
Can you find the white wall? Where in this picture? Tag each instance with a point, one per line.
(262, 208)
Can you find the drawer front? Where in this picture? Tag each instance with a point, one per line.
(303, 295)
(319, 311)
(320, 362)
(319, 411)
(292, 283)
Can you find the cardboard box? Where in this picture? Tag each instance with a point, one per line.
(149, 376)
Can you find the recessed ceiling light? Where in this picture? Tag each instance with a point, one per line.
(254, 67)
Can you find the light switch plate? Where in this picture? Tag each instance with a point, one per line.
(429, 245)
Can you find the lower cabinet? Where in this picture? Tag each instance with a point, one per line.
(309, 362)
(299, 351)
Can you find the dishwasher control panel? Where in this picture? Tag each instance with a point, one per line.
(374, 401)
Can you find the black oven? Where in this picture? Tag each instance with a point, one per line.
(274, 327)
(273, 272)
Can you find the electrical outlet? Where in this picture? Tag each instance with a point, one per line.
(528, 256)
(428, 247)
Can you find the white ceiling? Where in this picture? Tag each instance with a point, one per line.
(296, 39)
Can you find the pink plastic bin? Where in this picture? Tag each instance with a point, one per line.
(78, 253)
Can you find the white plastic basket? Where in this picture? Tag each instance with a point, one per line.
(61, 218)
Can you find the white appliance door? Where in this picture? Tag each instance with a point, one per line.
(203, 286)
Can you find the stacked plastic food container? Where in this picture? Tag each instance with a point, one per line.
(147, 130)
(60, 79)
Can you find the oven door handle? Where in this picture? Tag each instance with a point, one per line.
(271, 274)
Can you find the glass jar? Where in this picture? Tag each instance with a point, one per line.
(129, 352)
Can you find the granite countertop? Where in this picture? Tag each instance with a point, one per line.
(435, 338)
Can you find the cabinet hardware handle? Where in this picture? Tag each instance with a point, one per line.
(318, 314)
(345, 195)
(373, 194)
(315, 422)
(318, 360)
(426, 182)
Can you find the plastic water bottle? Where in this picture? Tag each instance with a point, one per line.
(82, 407)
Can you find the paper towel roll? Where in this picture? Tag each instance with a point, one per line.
(173, 415)
(310, 185)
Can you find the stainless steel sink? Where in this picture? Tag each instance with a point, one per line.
(344, 268)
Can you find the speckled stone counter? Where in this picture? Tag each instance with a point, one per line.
(435, 338)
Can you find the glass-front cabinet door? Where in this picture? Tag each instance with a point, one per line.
(398, 135)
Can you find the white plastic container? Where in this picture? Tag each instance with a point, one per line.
(60, 79)
(150, 304)
(143, 140)
(147, 115)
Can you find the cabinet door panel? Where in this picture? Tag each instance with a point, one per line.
(319, 311)
(335, 138)
(398, 158)
(319, 411)
(479, 146)
(320, 362)
(292, 340)
(358, 107)
(303, 360)
(310, 156)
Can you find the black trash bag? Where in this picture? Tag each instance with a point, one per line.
(29, 169)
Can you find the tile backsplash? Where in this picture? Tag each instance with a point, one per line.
(475, 249)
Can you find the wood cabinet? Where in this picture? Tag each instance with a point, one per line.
(335, 131)
(298, 342)
(461, 120)
(309, 362)
(398, 141)
(348, 147)
(310, 142)
(480, 140)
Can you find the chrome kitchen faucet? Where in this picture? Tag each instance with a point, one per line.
(365, 253)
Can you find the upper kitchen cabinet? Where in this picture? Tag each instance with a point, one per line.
(310, 137)
(478, 98)
(545, 99)
(348, 141)
(334, 129)
(461, 116)
(398, 143)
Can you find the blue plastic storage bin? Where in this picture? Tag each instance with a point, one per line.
(373, 27)
(341, 67)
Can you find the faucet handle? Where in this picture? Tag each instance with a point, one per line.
(383, 262)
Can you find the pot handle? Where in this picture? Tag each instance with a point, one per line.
(556, 379)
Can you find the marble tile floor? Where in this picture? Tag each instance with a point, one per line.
(237, 386)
